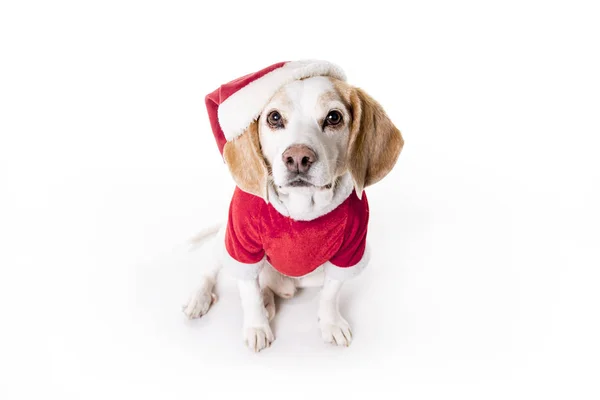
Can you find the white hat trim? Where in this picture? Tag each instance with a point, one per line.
(240, 109)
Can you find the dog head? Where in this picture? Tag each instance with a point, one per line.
(311, 132)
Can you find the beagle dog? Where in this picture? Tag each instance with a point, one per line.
(299, 215)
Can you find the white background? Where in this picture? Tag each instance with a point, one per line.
(485, 277)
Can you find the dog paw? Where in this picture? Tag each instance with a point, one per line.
(336, 332)
(199, 304)
(259, 338)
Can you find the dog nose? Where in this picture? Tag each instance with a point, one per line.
(299, 158)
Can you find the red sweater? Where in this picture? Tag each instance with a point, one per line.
(296, 248)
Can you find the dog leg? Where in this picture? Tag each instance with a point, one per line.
(257, 333)
(283, 286)
(264, 279)
(203, 298)
(269, 302)
(334, 328)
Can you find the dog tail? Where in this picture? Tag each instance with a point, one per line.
(203, 235)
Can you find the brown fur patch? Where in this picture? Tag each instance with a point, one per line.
(375, 143)
(246, 163)
(282, 98)
(329, 96)
(324, 100)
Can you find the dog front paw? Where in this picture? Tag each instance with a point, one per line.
(258, 338)
(336, 331)
(199, 304)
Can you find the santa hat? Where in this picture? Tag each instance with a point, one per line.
(235, 105)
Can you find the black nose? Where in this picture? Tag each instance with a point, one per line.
(298, 158)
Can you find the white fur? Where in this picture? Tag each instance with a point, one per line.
(245, 105)
(302, 204)
(204, 297)
(312, 279)
(201, 300)
(204, 234)
(334, 328)
(299, 103)
(301, 106)
(257, 333)
(284, 286)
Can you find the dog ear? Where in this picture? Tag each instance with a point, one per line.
(374, 143)
(246, 163)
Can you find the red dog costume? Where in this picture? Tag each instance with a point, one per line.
(257, 230)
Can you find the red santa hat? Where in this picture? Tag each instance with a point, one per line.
(235, 105)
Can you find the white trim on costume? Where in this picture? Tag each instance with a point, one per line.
(238, 111)
(342, 274)
(241, 270)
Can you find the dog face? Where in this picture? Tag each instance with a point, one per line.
(311, 132)
(304, 132)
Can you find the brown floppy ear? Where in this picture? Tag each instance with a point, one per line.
(246, 162)
(374, 144)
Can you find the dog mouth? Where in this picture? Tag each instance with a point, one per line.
(300, 183)
(303, 183)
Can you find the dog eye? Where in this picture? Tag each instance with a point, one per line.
(333, 118)
(275, 120)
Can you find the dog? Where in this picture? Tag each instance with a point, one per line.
(302, 145)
